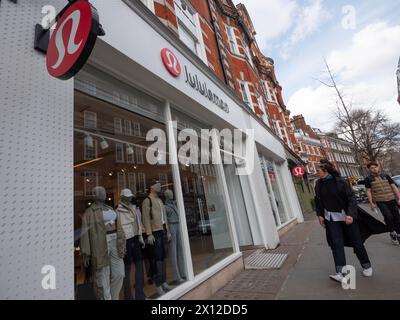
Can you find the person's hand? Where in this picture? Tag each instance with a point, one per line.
(321, 221)
(373, 205)
(141, 241)
(169, 237)
(349, 220)
(151, 240)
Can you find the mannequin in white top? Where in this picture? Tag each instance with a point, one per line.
(133, 229)
(103, 245)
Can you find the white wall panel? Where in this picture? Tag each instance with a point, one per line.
(36, 156)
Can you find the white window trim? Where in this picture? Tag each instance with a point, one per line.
(89, 193)
(96, 150)
(116, 152)
(269, 97)
(230, 31)
(248, 94)
(132, 182)
(198, 35)
(118, 126)
(85, 116)
(247, 52)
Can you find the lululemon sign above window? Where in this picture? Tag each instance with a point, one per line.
(173, 66)
(298, 171)
(171, 62)
(73, 40)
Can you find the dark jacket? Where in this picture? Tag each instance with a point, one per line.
(344, 193)
(368, 226)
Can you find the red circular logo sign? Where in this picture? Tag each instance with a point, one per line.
(298, 171)
(171, 62)
(73, 40)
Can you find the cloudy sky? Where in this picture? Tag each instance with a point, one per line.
(360, 40)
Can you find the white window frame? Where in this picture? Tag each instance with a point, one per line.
(141, 182)
(261, 105)
(119, 146)
(95, 150)
(247, 51)
(246, 93)
(269, 96)
(86, 120)
(137, 129)
(132, 182)
(118, 126)
(230, 31)
(139, 155)
(121, 181)
(191, 26)
(130, 158)
(88, 191)
(128, 127)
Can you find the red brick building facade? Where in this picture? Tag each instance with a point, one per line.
(223, 36)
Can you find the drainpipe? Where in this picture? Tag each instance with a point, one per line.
(218, 45)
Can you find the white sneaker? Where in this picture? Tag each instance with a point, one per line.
(160, 291)
(368, 272)
(166, 287)
(394, 238)
(337, 277)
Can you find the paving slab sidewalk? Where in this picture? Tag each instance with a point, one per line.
(305, 273)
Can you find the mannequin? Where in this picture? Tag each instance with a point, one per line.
(103, 246)
(175, 246)
(156, 227)
(133, 228)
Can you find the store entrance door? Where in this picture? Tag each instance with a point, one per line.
(238, 206)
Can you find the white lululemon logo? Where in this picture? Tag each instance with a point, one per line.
(172, 61)
(72, 46)
(298, 171)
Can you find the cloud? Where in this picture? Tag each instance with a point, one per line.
(366, 69)
(286, 20)
(271, 18)
(307, 19)
(373, 49)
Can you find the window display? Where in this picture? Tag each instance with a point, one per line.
(118, 232)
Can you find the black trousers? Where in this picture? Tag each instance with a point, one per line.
(336, 232)
(390, 212)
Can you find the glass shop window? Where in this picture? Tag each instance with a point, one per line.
(110, 152)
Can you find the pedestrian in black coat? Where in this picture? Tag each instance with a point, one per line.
(337, 212)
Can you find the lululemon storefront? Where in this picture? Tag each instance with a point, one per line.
(87, 157)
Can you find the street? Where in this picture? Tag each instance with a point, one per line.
(305, 274)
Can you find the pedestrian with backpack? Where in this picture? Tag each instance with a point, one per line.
(383, 194)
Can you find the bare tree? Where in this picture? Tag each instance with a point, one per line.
(369, 130)
(375, 134)
(346, 122)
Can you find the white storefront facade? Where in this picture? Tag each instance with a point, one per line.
(48, 168)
